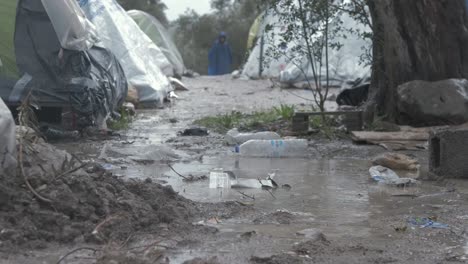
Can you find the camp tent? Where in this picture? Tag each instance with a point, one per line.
(160, 36)
(144, 63)
(7, 30)
(60, 67)
(344, 63)
(259, 64)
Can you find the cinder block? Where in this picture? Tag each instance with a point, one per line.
(300, 122)
(449, 153)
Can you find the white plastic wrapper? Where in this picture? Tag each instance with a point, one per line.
(144, 63)
(74, 31)
(7, 141)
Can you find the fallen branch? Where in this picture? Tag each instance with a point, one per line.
(40, 197)
(76, 250)
(248, 196)
(180, 175)
(71, 171)
(271, 193)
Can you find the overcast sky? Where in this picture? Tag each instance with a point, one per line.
(178, 7)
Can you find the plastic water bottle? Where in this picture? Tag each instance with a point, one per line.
(233, 136)
(219, 179)
(285, 148)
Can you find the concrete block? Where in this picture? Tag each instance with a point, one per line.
(449, 153)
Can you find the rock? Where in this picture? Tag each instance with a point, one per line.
(422, 103)
(194, 131)
(397, 161)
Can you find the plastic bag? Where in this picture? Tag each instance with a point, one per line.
(74, 31)
(7, 140)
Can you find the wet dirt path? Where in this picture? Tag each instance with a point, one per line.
(330, 191)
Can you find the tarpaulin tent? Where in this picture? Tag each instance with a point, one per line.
(7, 30)
(144, 63)
(253, 32)
(259, 64)
(160, 36)
(7, 140)
(344, 64)
(88, 82)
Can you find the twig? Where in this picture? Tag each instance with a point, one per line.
(180, 175)
(271, 193)
(108, 219)
(40, 197)
(71, 171)
(76, 250)
(248, 196)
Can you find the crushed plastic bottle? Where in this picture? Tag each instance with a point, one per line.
(233, 136)
(219, 179)
(387, 176)
(287, 148)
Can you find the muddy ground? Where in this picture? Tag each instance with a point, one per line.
(128, 206)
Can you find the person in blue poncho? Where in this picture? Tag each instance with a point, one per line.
(220, 56)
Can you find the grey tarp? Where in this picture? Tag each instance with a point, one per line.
(7, 140)
(90, 82)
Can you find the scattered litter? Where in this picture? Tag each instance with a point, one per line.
(287, 148)
(401, 229)
(248, 235)
(108, 167)
(310, 233)
(129, 108)
(286, 187)
(177, 84)
(57, 134)
(397, 161)
(194, 131)
(427, 222)
(234, 137)
(210, 221)
(172, 94)
(220, 179)
(463, 217)
(387, 176)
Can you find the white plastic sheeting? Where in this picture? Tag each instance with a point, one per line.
(7, 140)
(160, 36)
(343, 64)
(271, 67)
(143, 62)
(74, 31)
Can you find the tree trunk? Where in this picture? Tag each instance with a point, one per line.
(415, 40)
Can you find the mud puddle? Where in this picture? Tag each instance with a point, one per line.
(331, 197)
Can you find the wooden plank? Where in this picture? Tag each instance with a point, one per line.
(369, 136)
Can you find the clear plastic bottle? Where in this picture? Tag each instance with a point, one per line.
(284, 148)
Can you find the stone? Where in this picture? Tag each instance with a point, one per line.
(448, 153)
(422, 103)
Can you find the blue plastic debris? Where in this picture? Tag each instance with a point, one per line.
(426, 222)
